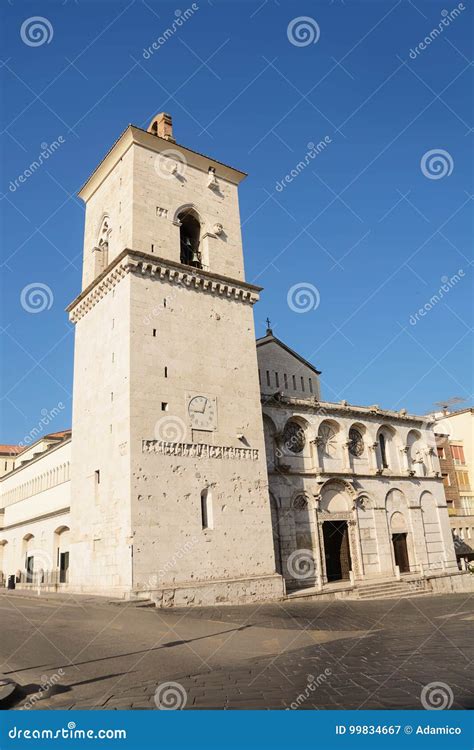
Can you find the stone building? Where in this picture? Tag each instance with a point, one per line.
(457, 457)
(174, 486)
(355, 491)
(448, 472)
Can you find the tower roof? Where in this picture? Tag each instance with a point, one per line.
(155, 142)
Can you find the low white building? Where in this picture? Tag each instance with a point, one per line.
(174, 487)
(35, 500)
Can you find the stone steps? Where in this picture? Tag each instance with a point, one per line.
(393, 590)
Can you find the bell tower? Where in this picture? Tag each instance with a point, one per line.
(169, 485)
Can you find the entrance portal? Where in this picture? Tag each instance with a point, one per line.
(401, 552)
(336, 550)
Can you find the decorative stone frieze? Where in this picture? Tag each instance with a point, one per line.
(199, 450)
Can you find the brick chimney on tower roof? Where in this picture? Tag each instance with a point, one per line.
(162, 126)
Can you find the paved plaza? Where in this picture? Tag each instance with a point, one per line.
(80, 652)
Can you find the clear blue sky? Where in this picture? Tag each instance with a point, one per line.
(361, 223)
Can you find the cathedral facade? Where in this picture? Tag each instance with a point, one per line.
(204, 468)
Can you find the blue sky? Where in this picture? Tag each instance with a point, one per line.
(363, 223)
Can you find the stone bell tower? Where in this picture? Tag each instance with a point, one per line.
(169, 485)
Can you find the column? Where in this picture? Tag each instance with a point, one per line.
(373, 456)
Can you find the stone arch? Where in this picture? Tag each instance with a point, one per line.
(386, 448)
(398, 522)
(295, 436)
(61, 552)
(416, 452)
(356, 438)
(395, 500)
(329, 433)
(399, 530)
(364, 501)
(337, 496)
(193, 228)
(192, 209)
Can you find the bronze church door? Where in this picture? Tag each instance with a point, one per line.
(337, 550)
(400, 550)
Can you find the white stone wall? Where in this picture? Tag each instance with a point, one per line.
(206, 344)
(155, 188)
(113, 198)
(35, 500)
(101, 543)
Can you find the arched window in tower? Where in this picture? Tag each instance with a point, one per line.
(190, 237)
(383, 451)
(101, 250)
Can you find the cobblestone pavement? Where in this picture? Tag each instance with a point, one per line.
(300, 654)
